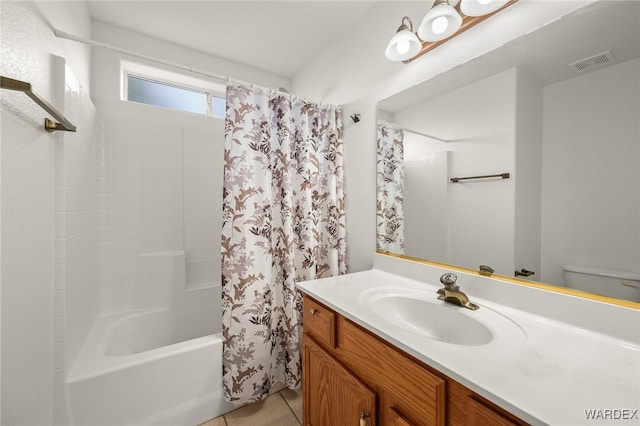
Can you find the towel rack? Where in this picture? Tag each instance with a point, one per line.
(500, 175)
(49, 125)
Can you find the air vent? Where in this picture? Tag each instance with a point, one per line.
(592, 62)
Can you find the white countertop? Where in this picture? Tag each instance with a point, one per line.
(549, 372)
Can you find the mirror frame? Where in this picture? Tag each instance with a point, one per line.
(512, 280)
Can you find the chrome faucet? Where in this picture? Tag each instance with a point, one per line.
(451, 292)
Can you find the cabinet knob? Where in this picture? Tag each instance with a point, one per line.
(313, 311)
(363, 418)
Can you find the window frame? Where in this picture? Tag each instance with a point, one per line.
(172, 79)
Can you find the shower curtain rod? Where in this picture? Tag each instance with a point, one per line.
(415, 132)
(224, 78)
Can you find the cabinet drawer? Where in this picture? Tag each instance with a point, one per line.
(319, 322)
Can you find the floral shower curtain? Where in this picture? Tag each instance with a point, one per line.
(390, 189)
(283, 221)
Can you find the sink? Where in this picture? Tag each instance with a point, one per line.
(420, 312)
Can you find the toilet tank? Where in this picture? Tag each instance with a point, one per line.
(605, 282)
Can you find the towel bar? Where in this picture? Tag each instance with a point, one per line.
(49, 125)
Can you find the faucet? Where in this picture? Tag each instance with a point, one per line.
(451, 292)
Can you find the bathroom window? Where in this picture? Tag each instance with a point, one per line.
(151, 91)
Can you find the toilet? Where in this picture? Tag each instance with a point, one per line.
(604, 282)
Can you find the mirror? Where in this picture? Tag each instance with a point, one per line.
(555, 115)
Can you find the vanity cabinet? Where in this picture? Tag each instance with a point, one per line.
(352, 377)
(339, 396)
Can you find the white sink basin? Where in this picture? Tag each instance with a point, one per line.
(420, 312)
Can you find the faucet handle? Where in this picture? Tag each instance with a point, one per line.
(486, 270)
(449, 280)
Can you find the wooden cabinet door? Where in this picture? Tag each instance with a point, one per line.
(397, 419)
(332, 395)
(482, 415)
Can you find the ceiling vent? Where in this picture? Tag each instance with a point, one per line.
(592, 62)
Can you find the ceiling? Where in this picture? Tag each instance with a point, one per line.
(275, 36)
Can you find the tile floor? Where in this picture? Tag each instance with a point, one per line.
(280, 409)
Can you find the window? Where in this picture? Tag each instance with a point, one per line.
(165, 95)
(196, 96)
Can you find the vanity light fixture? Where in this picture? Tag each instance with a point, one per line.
(481, 7)
(441, 22)
(445, 19)
(404, 44)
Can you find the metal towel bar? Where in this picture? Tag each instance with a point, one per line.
(49, 125)
(500, 175)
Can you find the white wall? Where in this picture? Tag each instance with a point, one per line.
(354, 72)
(590, 158)
(34, 297)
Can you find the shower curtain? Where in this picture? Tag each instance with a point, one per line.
(283, 221)
(390, 189)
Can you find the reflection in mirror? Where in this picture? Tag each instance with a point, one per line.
(562, 119)
(390, 187)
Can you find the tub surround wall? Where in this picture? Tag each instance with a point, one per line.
(159, 279)
(140, 209)
(160, 204)
(40, 312)
(425, 195)
(202, 153)
(76, 296)
(161, 177)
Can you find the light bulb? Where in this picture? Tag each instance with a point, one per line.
(439, 25)
(481, 7)
(403, 46)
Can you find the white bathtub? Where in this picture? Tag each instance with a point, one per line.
(152, 367)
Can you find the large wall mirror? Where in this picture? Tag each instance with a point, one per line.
(555, 116)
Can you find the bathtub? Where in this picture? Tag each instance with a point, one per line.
(152, 366)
